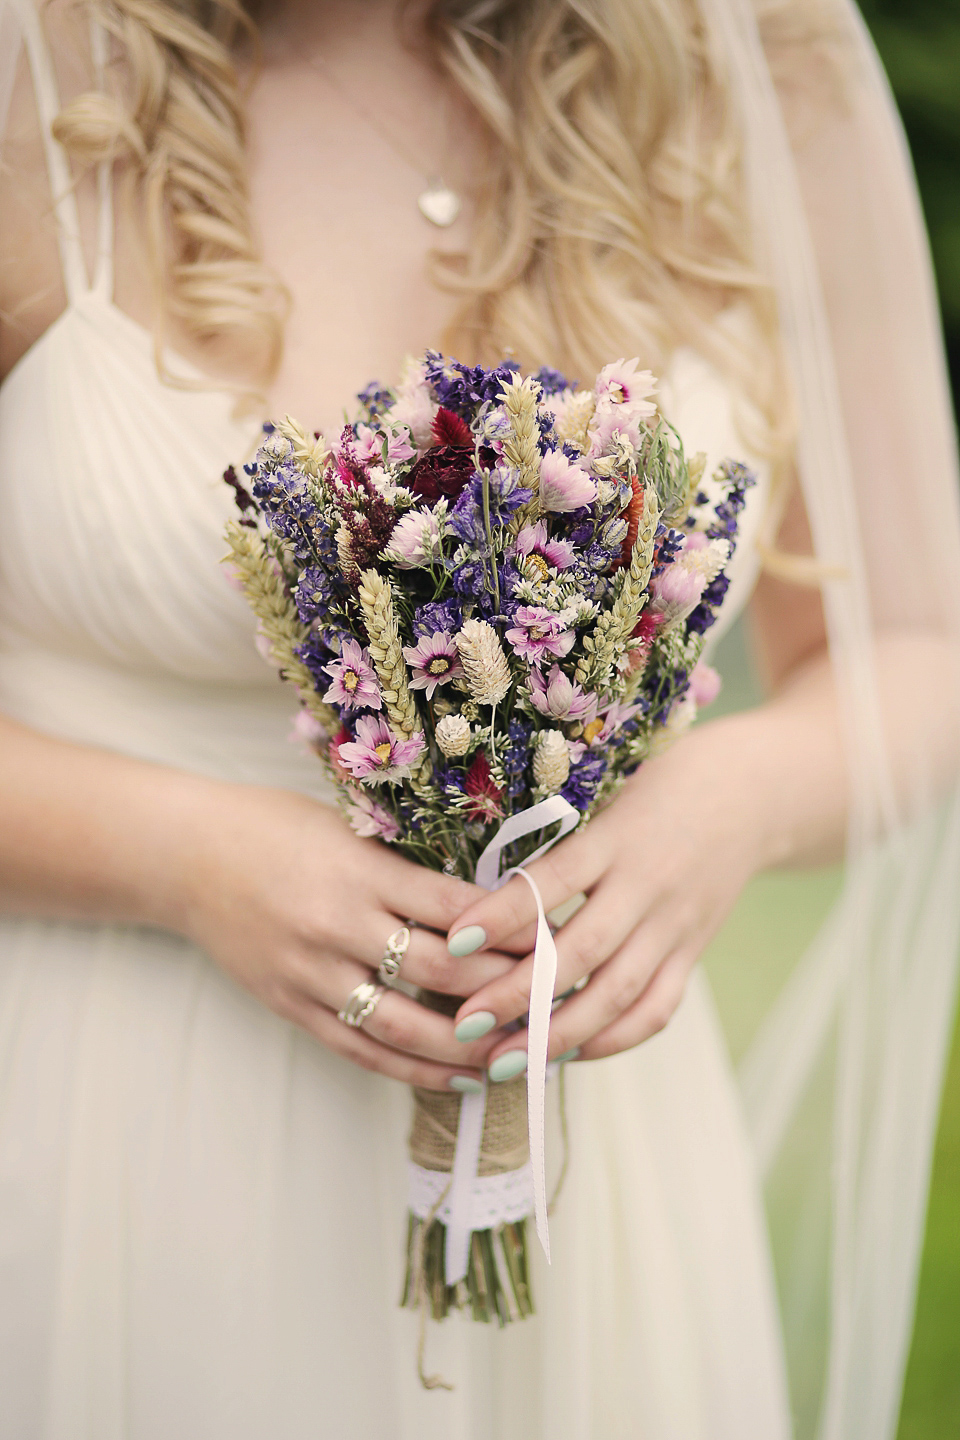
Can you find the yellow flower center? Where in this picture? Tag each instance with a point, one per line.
(592, 730)
(439, 665)
(350, 680)
(537, 632)
(382, 752)
(535, 567)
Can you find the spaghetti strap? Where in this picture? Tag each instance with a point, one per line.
(103, 274)
(65, 208)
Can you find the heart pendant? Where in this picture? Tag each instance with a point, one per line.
(439, 205)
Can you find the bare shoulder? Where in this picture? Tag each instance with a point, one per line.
(32, 292)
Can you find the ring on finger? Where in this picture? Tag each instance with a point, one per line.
(393, 954)
(361, 1003)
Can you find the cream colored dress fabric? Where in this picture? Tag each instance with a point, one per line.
(202, 1210)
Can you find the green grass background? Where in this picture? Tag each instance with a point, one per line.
(919, 42)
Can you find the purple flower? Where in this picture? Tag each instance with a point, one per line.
(354, 679)
(377, 754)
(583, 781)
(369, 819)
(437, 615)
(560, 697)
(539, 632)
(564, 485)
(539, 551)
(434, 660)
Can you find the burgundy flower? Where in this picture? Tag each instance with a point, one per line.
(448, 429)
(444, 470)
(486, 798)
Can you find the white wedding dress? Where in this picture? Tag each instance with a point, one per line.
(202, 1211)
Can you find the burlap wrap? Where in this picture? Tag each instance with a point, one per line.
(504, 1145)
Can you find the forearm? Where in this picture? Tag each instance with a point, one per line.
(90, 835)
(787, 757)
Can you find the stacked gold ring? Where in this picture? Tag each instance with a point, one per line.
(361, 1003)
(393, 955)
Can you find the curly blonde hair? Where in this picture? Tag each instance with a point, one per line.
(612, 218)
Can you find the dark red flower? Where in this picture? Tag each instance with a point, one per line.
(444, 470)
(449, 429)
(486, 798)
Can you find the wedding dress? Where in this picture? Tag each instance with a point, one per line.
(201, 1209)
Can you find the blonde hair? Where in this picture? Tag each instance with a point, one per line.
(611, 218)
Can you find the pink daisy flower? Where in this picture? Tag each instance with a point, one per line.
(560, 697)
(564, 485)
(370, 445)
(608, 722)
(434, 660)
(538, 632)
(622, 403)
(354, 679)
(539, 551)
(370, 820)
(377, 754)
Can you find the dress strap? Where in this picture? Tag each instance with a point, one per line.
(61, 181)
(103, 274)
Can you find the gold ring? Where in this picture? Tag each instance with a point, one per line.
(361, 1003)
(394, 953)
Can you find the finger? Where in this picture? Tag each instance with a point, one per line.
(362, 1049)
(397, 1021)
(613, 988)
(575, 864)
(597, 930)
(651, 1013)
(426, 961)
(427, 896)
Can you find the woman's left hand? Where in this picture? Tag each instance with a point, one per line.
(661, 866)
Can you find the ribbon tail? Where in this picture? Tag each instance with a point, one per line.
(538, 1036)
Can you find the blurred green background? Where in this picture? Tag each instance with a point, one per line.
(919, 43)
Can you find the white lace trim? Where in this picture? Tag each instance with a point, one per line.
(494, 1199)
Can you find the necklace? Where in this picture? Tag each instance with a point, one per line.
(437, 202)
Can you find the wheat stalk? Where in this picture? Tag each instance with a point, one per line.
(274, 608)
(376, 601)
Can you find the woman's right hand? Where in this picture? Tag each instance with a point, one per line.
(297, 909)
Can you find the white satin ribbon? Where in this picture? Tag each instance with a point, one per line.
(466, 1157)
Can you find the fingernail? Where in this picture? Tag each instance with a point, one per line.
(475, 1026)
(568, 1055)
(465, 1084)
(508, 1065)
(465, 941)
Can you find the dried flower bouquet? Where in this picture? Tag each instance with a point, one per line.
(488, 590)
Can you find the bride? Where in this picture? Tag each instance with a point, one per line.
(211, 214)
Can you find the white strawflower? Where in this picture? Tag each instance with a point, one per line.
(453, 736)
(483, 661)
(551, 761)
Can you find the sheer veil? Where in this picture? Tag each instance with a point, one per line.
(842, 1083)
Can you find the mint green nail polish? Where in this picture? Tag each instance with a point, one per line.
(568, 1055)
(465, 1084)
(508, 1065)
(465, 941)
(475, 1026)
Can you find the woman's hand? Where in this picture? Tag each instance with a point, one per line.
(661, 867)
(298, 909)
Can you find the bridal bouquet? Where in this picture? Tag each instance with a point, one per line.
(491, 593)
